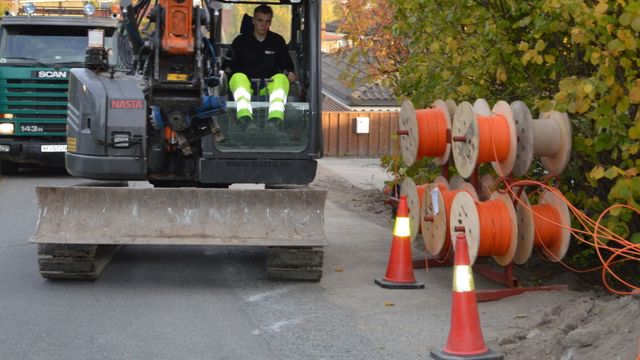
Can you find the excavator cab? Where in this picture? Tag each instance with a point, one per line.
(169, 117)
(299, 132)
(163, 113)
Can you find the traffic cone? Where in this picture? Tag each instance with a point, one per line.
(400, 268)
(465, 335)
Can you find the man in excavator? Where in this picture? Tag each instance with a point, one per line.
(261, 56)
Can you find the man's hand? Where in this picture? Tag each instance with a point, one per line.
(291, 76)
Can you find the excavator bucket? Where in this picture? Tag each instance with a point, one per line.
(79, 226)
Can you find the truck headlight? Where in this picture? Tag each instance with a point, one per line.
(29, 8)
(6, 128)
(89, 9)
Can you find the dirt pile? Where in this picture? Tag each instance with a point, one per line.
(584, 326)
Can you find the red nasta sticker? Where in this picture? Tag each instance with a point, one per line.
(126, 104)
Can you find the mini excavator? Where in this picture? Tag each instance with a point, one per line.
(156, 137)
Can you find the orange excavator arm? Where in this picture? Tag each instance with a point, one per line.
(177, 38)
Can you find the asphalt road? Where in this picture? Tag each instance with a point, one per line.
(168, 302)
(172, 302)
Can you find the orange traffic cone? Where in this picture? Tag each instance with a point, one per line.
(465, 335)
(400, 268)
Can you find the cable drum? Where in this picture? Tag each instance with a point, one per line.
(552, 223)
(479, 137)
(548, 137)
(414, 194)
(436, 213)
(423, 132)
(490, 226)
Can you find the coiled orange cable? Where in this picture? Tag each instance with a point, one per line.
(495, 228)
(546, 233)
(447, 196)
(432, 133)
(421, 188)
(594, 234)
(494, 138)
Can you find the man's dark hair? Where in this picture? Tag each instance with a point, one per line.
(263, 9)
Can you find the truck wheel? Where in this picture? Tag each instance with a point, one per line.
(8, 168)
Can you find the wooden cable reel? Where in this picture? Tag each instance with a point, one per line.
(456, 181)
(435, 215)
(486, 187)
(548, 137)
(423, 132)
(525, 230)
(476, 220)
(414, 194)
(505, 167)
(544, 226)
(481, 107)
(475, 135)
(451, 106)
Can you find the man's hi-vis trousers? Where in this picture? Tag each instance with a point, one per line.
(278, 89)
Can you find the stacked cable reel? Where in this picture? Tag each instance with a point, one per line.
(423, 133)
(435, 214)
(497, 223)
(508, 137)
(414, 194)
(498, 219)
(480, 136)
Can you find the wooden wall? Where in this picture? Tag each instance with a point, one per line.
(340, 138)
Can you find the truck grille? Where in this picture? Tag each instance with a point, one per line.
(37, 107)
(38, 81)
(42, 100)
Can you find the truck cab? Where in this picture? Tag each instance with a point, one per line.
(38, 47)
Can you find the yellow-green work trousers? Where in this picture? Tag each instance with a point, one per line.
(277, 89)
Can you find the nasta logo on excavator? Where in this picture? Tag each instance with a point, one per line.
(126, 104)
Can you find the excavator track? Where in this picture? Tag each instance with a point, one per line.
(74, 261)
(294, 263)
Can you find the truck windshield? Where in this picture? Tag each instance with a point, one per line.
(46, 44)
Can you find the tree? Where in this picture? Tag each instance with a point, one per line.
(367, 25)
(577, 56)
(331, 10)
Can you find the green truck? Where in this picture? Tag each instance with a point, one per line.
(37, 51)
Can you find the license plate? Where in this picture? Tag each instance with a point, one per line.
(53, 148)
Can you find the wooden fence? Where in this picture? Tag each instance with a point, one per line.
(341, 139)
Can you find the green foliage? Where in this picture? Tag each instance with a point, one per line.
(574, 56)
(421, 171)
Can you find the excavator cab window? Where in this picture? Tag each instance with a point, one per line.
(290, 134)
